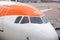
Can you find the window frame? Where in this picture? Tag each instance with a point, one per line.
(21, 19)
(29, 19)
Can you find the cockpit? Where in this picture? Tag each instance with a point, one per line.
(30, 19)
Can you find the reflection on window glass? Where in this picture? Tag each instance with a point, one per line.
(35, 20)
(18, 19)
(44, 19)
(25, 20)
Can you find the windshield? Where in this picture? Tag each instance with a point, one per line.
(18, 19)
(44, 19)
(36, 20)
(25, 20)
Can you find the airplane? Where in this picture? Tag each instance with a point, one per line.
(21, 21)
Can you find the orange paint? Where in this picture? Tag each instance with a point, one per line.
(19, 9)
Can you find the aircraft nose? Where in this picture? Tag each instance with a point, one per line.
(46, 31)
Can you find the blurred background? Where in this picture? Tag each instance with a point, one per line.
(35, 1)
(53, 16)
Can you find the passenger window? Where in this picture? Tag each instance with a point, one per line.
(18, 19)
(36, 20)
(25, 20)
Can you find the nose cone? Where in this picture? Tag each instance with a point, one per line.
(45, 32)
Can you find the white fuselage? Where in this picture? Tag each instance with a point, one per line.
(28, 31)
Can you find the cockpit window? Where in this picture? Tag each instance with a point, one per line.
(25, 20)
(36, 20)
(18, 19)
(44, 19)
